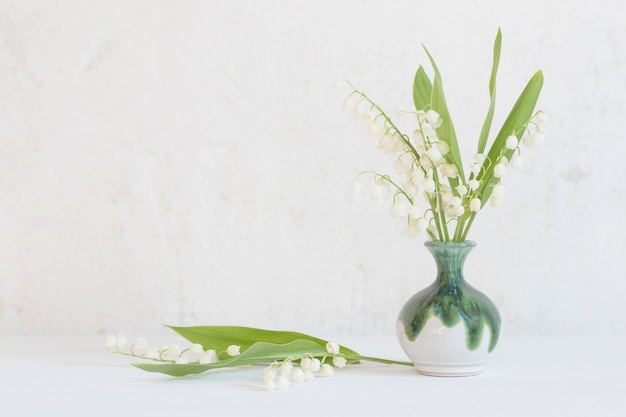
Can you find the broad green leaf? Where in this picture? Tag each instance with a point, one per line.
(422, 89)
(484, 133)
(257, 353)
(519, 115)
(220, 337)
(446, 130)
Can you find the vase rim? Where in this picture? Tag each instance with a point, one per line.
(442, 244)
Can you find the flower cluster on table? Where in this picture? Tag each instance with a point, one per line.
(277, 375)
(285, 356)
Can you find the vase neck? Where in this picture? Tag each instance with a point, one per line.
(450, 257)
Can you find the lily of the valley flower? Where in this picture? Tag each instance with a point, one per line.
(332, 348)
(517, 161)
(499, 170)
(511, 142)
(474, 204)
(473, 184)
(210, 356)
(233, 350)
(495, 201)
(434, 119)
(416, 227)
(498, 190)
(327, 370)
(339, 362)
(415, 212)
(398, 209)
(429, 186)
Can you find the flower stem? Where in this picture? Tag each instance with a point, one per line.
(390, 181)
(404, 138)
(467, 228)
(377, 360)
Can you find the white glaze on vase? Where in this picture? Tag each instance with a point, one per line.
(442, 351)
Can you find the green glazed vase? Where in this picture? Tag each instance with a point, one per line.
(448, 328)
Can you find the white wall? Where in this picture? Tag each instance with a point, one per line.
(188, 163)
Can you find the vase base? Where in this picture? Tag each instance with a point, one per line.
(449, 370)
(442, 351)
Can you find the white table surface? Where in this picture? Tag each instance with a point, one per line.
(525, 377)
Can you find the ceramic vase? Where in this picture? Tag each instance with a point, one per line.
(449, 328)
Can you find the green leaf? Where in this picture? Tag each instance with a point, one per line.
(514, 123)
(257, 353)
(446, 130)
(422, 89)
(484, 133)
(220, 337)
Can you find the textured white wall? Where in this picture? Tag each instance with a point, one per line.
(188, 163)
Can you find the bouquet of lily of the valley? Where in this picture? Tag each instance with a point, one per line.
(430, 160)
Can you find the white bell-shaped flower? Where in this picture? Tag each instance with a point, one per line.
(400, 167)
(421, 224)
(434, 119)
(540, 120)
(282, 382)
(315, 365)
(474, 205)
(120, 341)
(377, 193)
(407, 160)
(473, 184)
(373, 129)
(171, 350)
(537, 138)
(111, 342)
(418, 137)
(269, 374)
(511, 142)
(332, 348)
(233, 350)
(196, 349)
(286, 368)
(305, 364)
(385, 142)
(434, 154)
(443, 147)
(517, 161)
(339, 362)
(411, 189)
(140, 343)
(398, 209)
(327, 370)
(297, 375)
(210, 356)
(495, 201)
(151, 353)
(499, 170)
(415, 212)
(429, 186)
(182, 360)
